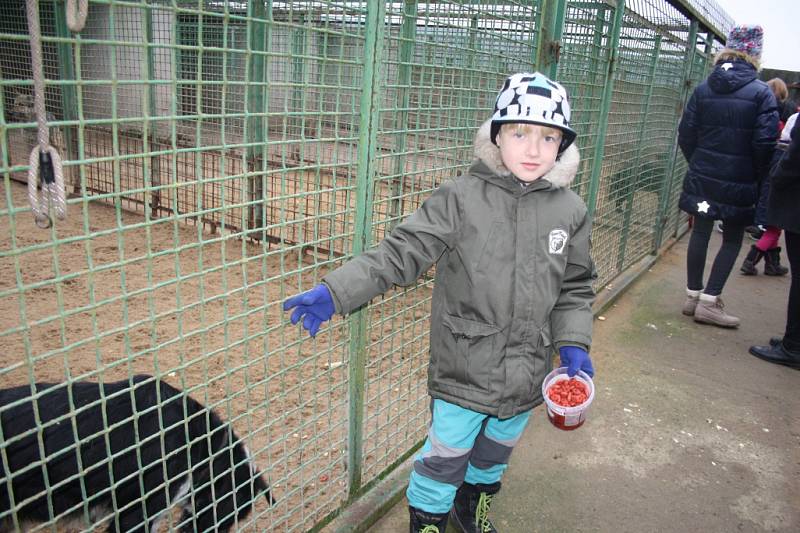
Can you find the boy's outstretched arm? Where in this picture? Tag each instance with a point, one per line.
(404, 255)
(571, 317)
(401, 257)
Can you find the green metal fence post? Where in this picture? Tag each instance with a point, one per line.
(467, 98)
(605, 107)
(258, 30)
(151, 166)
(300, 63)
(368, 125)
(69, 99)
(590, 128)
(548, 46)
(661, 220)
(408, 34)
(709, 44)
(637, 160)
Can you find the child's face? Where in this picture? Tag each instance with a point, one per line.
(528, 150)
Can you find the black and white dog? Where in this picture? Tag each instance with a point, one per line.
(124, 454)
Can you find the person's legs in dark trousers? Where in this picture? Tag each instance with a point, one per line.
(696, 253)
(705, 304)
(791, 338)
(726, 258)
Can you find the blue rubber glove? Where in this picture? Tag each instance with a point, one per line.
(575, 358)
(314, 306)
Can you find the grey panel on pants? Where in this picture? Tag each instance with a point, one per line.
(487, 453)
(450, 470)
(443, 463)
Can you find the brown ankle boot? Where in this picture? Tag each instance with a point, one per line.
(711, 310)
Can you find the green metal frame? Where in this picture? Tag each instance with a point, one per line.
(370, 106)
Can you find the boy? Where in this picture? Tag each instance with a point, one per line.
(513, 279)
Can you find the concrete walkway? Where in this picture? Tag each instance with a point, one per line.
(687, 433)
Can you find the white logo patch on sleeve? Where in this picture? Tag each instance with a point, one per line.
(558, 241)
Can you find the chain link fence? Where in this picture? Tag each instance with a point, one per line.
(220, 156)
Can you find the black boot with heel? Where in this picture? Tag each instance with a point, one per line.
(772, 263)
(748, 267)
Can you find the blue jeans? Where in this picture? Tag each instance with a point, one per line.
(462, 445)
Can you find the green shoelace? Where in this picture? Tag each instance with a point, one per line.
(430, 529)
(482, 513)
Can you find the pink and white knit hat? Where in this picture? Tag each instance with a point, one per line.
(748, 39)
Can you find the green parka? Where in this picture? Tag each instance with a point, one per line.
(513, 279)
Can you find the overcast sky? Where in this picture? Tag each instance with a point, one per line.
(781, 22)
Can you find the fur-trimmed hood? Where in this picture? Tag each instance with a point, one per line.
(561, 175)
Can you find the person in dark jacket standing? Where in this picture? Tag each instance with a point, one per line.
(511, 245)
(767, 246)
(727, 135)
(783, 212)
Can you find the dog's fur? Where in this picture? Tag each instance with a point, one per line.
(111, 452)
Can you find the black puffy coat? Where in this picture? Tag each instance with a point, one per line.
(784, 197)
(727, 134)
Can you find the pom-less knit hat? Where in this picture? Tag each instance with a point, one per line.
(533, 99)
(746, 39)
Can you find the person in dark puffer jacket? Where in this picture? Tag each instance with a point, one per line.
(727, 135)
(766, 247)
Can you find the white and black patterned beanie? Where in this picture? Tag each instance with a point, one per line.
(533, 99)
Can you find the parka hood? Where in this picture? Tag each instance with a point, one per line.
(728, 76)
(561, 175)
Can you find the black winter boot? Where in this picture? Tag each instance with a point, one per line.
(748, 267)
(422, 522)
(772, 260)
(471, 507)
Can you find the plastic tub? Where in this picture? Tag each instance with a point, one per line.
(567, 418)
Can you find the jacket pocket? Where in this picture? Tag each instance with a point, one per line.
(470, 352)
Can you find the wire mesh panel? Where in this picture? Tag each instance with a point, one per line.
(585, 56)
(221, 156)
(166, 264)
(632, 175)
(584, 70)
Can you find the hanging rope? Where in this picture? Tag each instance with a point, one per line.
(76, 14)
(44, 161)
